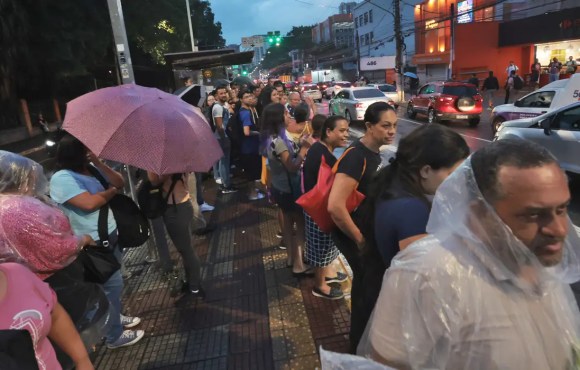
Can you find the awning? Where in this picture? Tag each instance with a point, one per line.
(197, 60)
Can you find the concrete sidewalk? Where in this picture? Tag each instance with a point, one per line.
(255, 316)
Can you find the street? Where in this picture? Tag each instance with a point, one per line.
(475, 137)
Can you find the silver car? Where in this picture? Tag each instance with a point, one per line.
(312, 91)
(389, 90)
(558, 131)
(353, 102)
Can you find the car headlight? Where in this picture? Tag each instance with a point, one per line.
(50, 143)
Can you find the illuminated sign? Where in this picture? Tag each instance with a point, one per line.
(465, 11)
(431, 24)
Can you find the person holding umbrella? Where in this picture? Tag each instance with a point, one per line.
(80, 196)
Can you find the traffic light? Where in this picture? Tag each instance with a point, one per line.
(274, 38)
(244, 73)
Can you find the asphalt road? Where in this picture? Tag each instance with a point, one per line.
(476, 137)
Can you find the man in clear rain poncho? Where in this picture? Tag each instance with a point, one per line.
(488, 288)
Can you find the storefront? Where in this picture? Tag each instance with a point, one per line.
(378, 69)
(558, 37)
(432, 67)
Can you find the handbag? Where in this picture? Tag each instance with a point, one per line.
(17, 350)
(100, 262)
(132, 225)
(315, 201)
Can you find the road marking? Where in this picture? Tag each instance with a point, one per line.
(469, 136)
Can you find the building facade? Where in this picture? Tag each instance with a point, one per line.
(375, 33)
(487, 36)
(337, 29)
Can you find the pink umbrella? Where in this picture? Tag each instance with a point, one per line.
(143, 127)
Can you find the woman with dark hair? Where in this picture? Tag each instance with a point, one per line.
(80, 196)
(317, 124)
(320, 249)
(268, 95)
(355, 172)
(285, 158)
(399, 202)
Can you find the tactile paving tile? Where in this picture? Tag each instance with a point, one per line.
(299, 341)
(294, 315)
(309, 362)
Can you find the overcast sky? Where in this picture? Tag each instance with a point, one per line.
(241, 18)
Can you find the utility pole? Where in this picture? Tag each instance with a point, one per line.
(193, 48)
(357, 56)
(399, 42)
(121, 42)
(452, 51)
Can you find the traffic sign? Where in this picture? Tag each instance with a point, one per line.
(254, 41)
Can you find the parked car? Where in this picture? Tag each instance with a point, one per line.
(441, 101)
(552, 96)
(389, 90)
(291, 86)
(558, 131)
(335, 87)
(311, 90)
(353, 102)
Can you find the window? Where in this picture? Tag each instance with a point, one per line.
(367, 39)
(343, 84)
(371, 16)
(538, 100)
(366, 18)
(567, 120)
(362, 39)
(356, 22)
(372, 37)
(360, 20)
(424, 90)
(459, 90)
(368, 93)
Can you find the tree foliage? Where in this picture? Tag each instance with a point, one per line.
(298, 38)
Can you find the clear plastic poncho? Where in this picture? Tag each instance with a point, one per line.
(473, 296)
(32, 230)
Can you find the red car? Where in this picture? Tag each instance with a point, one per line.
(441, 101)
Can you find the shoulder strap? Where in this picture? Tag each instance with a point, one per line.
(97, 174)
(335, 167)
(171, 187)
(103, 224)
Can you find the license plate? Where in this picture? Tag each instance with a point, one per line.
(461, 116)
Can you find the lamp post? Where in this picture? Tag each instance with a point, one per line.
(193, 48)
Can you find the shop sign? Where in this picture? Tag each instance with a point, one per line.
(465, 11)
(431, 24)
(431, 59)
(375, 63)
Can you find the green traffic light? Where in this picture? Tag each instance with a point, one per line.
(244, 73)
(270, 40)
(278, 39)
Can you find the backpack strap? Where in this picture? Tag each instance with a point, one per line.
(103, 226)
(174, 181)
(97, 174)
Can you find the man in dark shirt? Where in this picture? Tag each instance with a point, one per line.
(250, 144)
(474, 80)
(490, 87)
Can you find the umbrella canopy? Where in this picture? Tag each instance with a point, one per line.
(243, 80)
(410, 74)
(143, 127)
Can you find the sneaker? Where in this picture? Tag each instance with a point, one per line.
(218, 181)
(150, 259)
(282, 247)
(199, 292)
(130, 322)
(128, 338)
(229, 190)
(279, 235)
(206, 207)
(339, 278)
(258, 196)
(335, 293)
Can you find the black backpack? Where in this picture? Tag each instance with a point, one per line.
(518, 82)
(132, 225)
(151, 199)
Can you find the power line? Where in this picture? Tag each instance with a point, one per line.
(319, 5)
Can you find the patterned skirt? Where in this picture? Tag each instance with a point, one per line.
(320, 249)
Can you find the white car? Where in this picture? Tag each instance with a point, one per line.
(558, 131)
(552, 96)
(389, 90)
(353, 102)
(312, 91)
(335, 87)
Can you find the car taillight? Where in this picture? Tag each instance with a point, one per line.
(359, 105)
(478, 98)
(324, 86)
(444, 98)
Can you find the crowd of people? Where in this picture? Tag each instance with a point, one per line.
(458, 261)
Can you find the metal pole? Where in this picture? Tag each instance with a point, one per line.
(452, 51)
(190, 26)
(121, 42)
(399, 46)
(357, 56)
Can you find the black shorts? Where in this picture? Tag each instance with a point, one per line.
(252, 165)
(285, 201)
